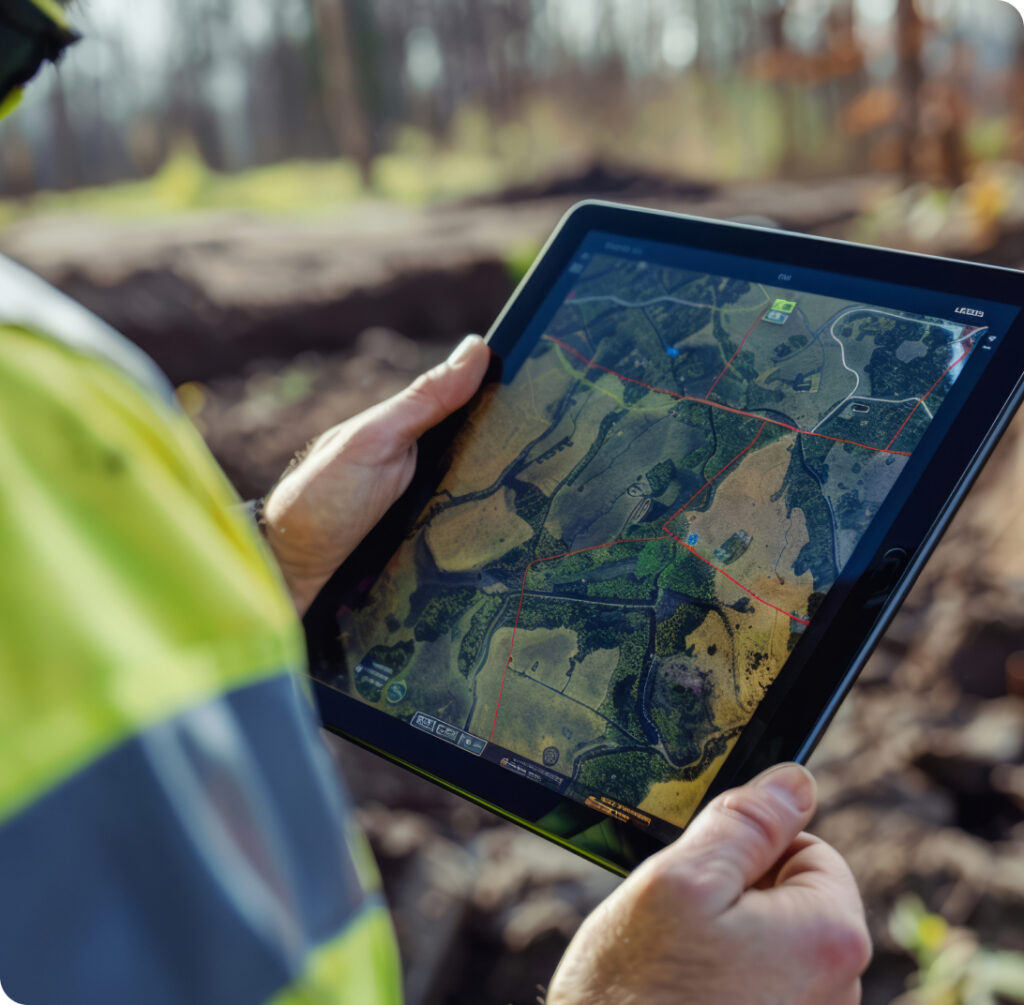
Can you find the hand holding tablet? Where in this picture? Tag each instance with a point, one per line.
(651, 557)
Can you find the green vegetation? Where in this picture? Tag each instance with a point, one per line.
(815, 449)
(530, 503)
(733, 433)
(660, 476)
(518, 260)
(654, 556)
(632, 393)
(952, 967)
(621, 588)
(763, 397)
(670, 636)
(607, 423)
(626, 775)
(549, 545)
(509, 568)
(677, 712)
(442, 613)
(185, 184)
(395, 657)
(892, 377)
(804, 493)
(483, 616)
(621, 703)
(601, 632)
(689, 576)
(851, 512)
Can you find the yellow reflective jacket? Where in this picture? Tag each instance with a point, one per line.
(170, 827)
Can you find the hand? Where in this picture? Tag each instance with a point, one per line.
(324, 506)
(742, 909)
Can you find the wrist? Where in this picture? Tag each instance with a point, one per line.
(294, 545)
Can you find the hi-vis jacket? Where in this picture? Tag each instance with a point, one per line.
(170, 829)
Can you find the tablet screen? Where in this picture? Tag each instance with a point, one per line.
(643, 516)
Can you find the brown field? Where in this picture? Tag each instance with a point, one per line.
(764, 632)
(589, 680)
(531, 717)
(513, 420)
(390, 595)
(743, 501)
(675, 801)
(548, 474)
(473, 534)
(718, 668)
(549, 650)
(488, 682)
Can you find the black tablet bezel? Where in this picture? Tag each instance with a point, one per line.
(856, 609)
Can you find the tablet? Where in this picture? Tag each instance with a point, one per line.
(651, 556)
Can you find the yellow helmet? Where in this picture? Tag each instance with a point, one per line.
(31, 32)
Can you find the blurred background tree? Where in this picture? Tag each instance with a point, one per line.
(734, 88)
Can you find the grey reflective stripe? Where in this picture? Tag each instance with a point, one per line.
(200, 862)
(30, 302)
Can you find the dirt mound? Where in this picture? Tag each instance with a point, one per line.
(599, 179)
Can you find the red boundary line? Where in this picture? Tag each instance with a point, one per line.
(745, 589)
(668, 533)
(921, 401)
(728, 363)
(726, 408)
(712, 478)
(639, 540)
(689, 548)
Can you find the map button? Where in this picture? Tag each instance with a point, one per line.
(446, 732)
(424, 722)
(472, 743)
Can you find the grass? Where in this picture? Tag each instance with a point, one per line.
(185, 184)
(685, 127)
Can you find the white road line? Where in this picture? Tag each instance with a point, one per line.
(853, 394)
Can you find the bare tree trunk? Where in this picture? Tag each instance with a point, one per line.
(65, 147)
(344, 109)
(909, 78)
(1017, 102)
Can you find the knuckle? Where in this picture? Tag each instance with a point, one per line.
(756, 813)
(428, 391)
(842, 949)
(693, 883)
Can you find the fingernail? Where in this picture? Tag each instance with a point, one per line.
(463, 350)
(792, 783)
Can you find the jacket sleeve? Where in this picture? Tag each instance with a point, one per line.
(171, 830)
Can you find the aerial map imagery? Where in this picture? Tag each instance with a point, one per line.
(638, 526)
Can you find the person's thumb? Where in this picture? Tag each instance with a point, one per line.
(743, 833)
(439, 392)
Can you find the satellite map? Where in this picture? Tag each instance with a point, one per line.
(637, 528)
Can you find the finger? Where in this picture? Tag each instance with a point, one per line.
(771, 877)
(816, 866)
(815, 881)
(441, 391)
(741, 835)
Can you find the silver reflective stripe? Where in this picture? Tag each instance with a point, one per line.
(30, 302)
